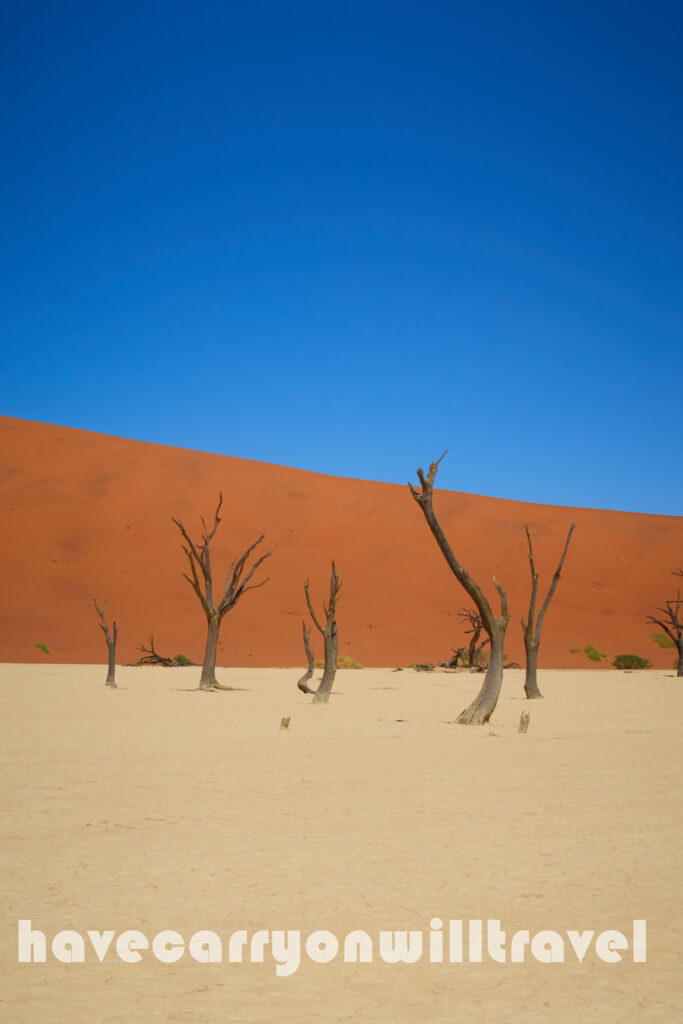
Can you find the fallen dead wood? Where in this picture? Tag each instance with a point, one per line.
(152, 657)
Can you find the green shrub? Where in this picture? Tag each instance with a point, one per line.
(44, 648)
(662, 640)
(593, 653)
(180, 659)
(630, 661)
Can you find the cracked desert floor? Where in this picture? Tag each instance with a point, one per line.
(158, 807)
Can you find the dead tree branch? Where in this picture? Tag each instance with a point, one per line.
(482, 707)
(151, 656)
(672, 622)
(532, 629)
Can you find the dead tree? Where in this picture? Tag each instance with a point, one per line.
(303, 682)
(672, 623)
(531, 630)
(470, 656)
(201, 581)
(111, 643)
(152, 657)
(483, 706)
(329, 635)
(471, 616)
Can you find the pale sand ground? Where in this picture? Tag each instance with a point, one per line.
(153, 807)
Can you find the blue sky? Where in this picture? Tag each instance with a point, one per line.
(347, 236)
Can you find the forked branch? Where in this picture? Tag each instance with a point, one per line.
(199, 560)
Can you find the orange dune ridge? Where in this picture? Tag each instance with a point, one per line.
(88, 515)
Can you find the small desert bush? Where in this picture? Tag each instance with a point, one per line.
(662, 640)
(590, 651)
(346, 661)
(630, 661)
(181, 659)
(593, 653)
(44, 648)
(343, 661)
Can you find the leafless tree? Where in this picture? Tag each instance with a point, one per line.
(111, 642)
(483, 706)
(473, 618)
(201, 581)
(329, 635)
(672, 622)
(531, 629)
(303, 682)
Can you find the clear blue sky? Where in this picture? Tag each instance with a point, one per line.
(346, 236)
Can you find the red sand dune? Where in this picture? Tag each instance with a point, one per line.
(86, 515)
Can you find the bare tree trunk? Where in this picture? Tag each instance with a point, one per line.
(483, 706)
(331, 645)
(530, 680)
(111, 643)
(329, 634)
(111, 668)
(208, 679)
(679, 647)
(303, 682)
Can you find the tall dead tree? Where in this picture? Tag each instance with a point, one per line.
(111, 642)
(483, 706)
(201, 581)
(329, 635)
(672, 623)
(531, 629)
(308, 674)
